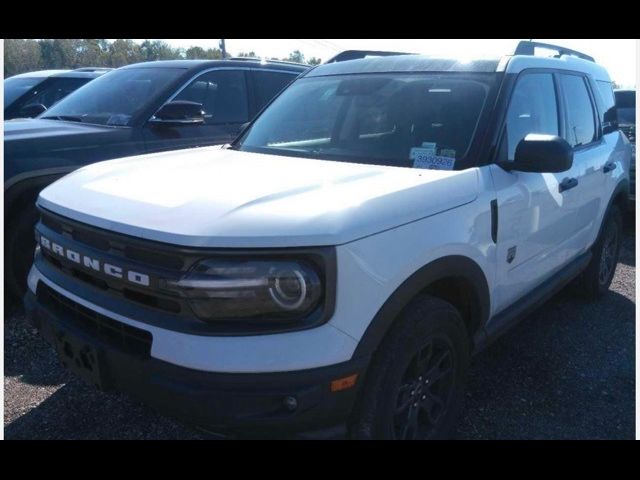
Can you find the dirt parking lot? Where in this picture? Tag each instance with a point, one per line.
(566, 372)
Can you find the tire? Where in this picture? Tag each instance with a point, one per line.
(398, 400)
(18, 253)
(597, 277)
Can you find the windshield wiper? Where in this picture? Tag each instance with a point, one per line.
(68, 118)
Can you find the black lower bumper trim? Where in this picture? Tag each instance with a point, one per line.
(246, 404)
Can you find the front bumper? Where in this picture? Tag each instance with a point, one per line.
(228, 403)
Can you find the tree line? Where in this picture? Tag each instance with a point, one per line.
(25, 55)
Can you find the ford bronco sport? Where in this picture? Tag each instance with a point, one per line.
(333, 269)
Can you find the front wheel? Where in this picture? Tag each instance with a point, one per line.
(415, 387)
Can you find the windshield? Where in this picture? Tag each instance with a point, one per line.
(14, 87)
(406, 120)
(115, 97)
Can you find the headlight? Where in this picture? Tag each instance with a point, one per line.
(224, 289)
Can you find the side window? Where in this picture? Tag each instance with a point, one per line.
(268, 84)
(581, 128)
(606, 92)
(223, 95)
(533, 109)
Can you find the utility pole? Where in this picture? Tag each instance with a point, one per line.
(222, 47)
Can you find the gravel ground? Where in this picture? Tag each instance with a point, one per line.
(566, 372)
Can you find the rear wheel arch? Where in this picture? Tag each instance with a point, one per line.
(457, 279)
(619, 198)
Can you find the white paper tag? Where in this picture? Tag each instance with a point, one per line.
(429, 145)
(433, 162)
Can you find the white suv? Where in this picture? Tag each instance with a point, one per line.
(333, 270)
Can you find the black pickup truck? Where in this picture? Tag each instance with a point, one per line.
(137, 109)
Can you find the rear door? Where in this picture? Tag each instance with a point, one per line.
(223, 93)
(590, 156)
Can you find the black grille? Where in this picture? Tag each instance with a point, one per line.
(116, 334)
(111, 243)
(121, 250)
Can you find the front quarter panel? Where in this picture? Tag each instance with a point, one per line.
(371, 269)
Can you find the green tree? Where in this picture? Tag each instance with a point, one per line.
(200, 53)
(92, 53)
(295, 56)
(314, 61)
(21, 56)
(247, 54)
(158, 50)
(124, 52)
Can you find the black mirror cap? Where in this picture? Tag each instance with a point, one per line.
(32, 110)
(181, 111)
(543, 154)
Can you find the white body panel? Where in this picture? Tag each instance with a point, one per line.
(191, 197)
(372, 268)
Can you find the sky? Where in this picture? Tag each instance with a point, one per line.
(619, 57)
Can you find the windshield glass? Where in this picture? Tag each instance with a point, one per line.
(14, 87)
(424, 120)
(115, 97)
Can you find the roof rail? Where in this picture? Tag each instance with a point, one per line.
(92, 69)
(528, 48)
(258, 59)
(355, 54)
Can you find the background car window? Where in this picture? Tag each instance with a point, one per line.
(116, 97)
(581, 128)
(533, 109)
(268, 84)
(223, 95)
(54, 90)
(14, 87)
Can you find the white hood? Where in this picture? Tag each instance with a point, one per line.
(224, 198)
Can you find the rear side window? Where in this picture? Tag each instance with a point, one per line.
(532, 109)
(223, 95)
(581, 128)
(269, 84)
(606, 103)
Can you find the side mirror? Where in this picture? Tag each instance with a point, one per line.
(179, 112)
(32, 110)
(542, 154)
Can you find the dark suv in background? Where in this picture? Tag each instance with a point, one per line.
(626, 107)
(137, 109)
(29, 94)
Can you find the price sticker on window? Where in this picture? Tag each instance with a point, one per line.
(426, 158)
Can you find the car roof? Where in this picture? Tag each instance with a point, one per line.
(404, 63)
(197, 65)
(423, 63)
(93, 73)
(39, 74)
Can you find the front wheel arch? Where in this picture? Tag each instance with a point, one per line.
(453, 268)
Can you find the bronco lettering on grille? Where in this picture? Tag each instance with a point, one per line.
(94, 263)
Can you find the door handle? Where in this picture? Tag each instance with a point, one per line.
(608, 167)
(567, 184)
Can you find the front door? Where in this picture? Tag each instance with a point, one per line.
(536, 216)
